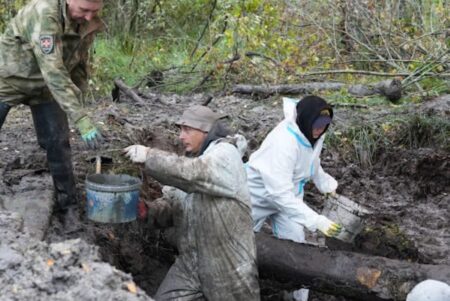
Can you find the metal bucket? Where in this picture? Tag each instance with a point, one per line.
(112, 198)
(347, 213)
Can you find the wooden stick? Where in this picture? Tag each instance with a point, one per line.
(129, 92)
(98, 164)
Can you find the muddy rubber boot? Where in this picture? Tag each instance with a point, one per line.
(4, 109)
(70, 220)
(52, 131)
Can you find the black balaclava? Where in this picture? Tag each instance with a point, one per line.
(308, 110)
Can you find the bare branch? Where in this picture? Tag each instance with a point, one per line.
(251, 54)
(205, 27)
(219, 37)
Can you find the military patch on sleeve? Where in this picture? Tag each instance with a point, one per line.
(47, 43)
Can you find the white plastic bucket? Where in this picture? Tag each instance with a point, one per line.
(347, 213)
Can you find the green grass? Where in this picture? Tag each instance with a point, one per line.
(131, 62)
(435, 86)
(423, 131)
(360, 142)
(112, 61)
(365, 142)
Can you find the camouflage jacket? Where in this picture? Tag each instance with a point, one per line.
(43, 50)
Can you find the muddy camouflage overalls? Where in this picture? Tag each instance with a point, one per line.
(44, 64)
(216, 243)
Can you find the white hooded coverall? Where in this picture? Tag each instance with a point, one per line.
(277, 173)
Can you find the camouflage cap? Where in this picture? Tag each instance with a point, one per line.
(199, 117)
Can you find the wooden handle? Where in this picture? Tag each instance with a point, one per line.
(98, 164)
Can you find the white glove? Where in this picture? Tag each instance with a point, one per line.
(136, 153)
(328, 227)
(332, 194)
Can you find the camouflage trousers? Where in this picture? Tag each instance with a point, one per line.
(184, 283)
(180, 284)
(52, 130)
(12, 97)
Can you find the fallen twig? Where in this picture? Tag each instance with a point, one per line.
(251, 54)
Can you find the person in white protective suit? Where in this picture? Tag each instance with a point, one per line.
(288, 158)
(430, 290)
(215, 240)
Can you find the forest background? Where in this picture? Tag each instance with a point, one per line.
(392, 158)
(209, 45)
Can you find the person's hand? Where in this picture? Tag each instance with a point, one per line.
(89, 133)
(328, 227)
(332, 194)
(142, 210)
(136, 153)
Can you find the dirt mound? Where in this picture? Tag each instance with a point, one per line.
(70, 270)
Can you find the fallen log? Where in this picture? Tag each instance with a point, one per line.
(266, 90)
(391, 89)
(348, 274)
(130, 92)
(120, 85)
(292, 265)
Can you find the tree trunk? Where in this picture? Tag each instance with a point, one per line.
(292, 265)
(392, 89)
(120, 85)
(341, 273)
(305, 88)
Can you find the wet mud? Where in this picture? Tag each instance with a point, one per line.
(70, 270)
(407, 189)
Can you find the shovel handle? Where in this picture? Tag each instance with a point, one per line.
(98, 164)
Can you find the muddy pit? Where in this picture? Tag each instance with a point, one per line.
(407, 189)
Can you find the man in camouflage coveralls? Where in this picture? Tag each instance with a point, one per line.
(209, 205)
(44, 55)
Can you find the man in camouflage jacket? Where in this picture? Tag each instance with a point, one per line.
(44, 55)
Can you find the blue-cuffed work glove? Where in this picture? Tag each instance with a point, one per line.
(89, 133)
(328, 227)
